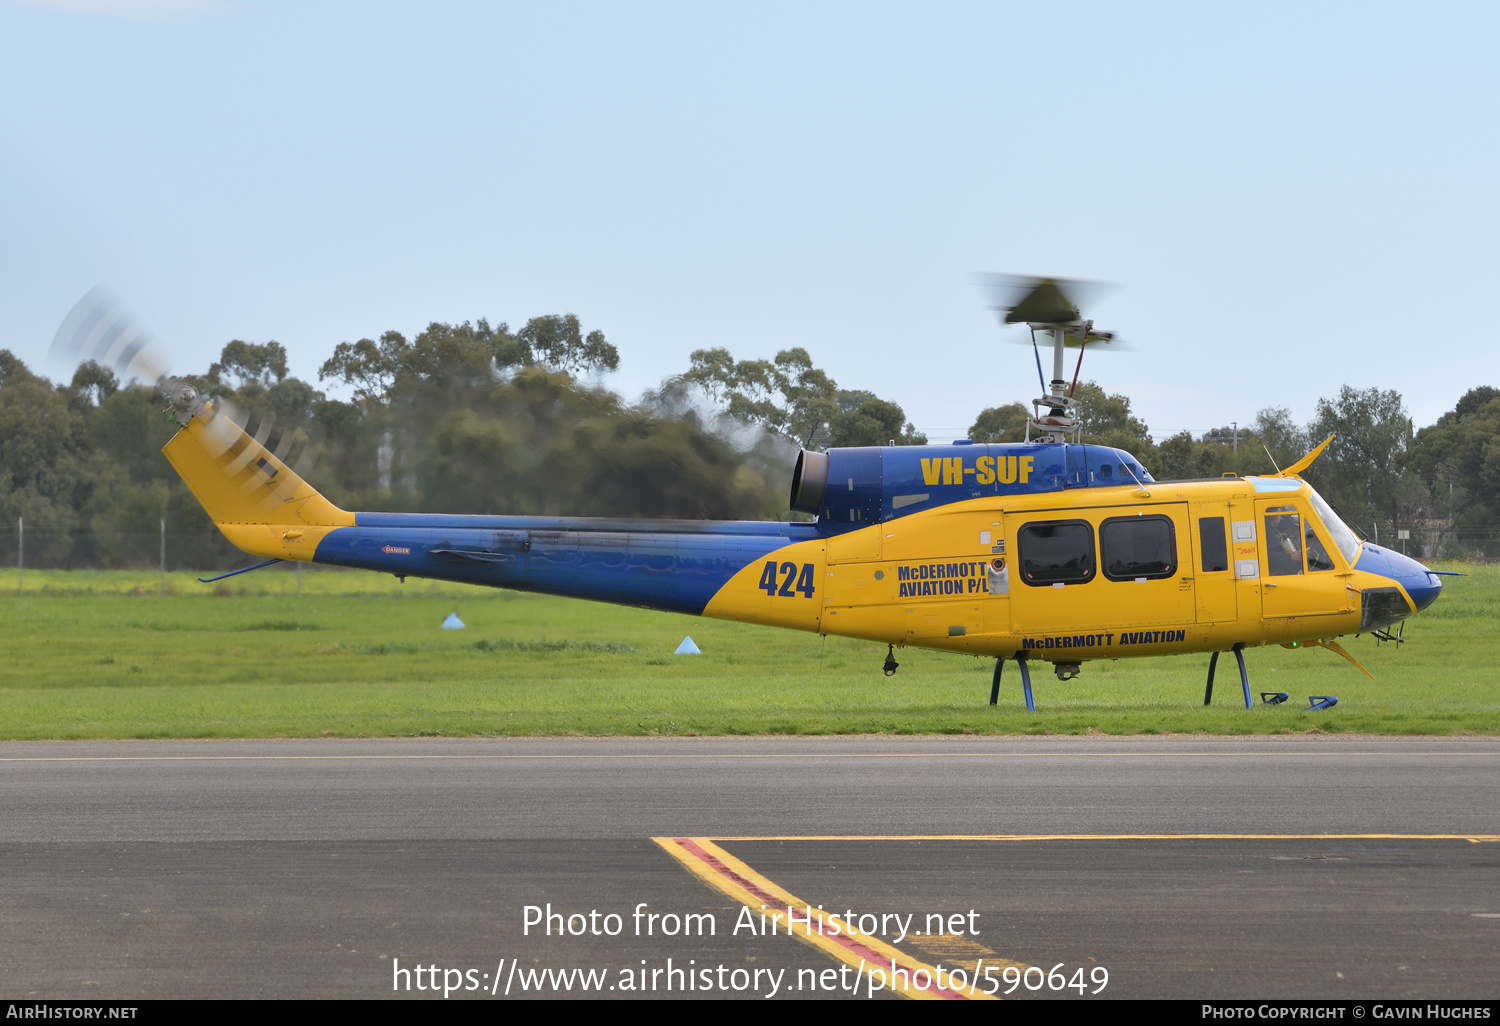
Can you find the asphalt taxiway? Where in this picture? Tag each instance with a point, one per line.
(1187, 867)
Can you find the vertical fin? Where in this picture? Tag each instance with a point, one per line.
(258, 502)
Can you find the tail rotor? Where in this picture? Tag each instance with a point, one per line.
(100, 328)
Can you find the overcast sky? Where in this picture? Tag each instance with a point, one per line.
(1293, 198)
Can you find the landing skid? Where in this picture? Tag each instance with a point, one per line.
(1213, 662)
(1025, 681)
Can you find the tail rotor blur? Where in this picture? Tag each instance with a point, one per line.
(100, 328)
(293, 445)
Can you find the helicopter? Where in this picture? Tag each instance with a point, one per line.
(1048, 550)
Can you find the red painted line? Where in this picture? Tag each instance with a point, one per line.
(723, 870)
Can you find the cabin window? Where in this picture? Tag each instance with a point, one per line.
(1212, 544)
(1342, 537)
(1132, 548)
(1107, 470)
(1056, 552)
(1317, 555)
(1290, 537)
(1284, 541)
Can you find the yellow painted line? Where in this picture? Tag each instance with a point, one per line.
(962, 950)
(734, 877)
(1476, 838)
(871, 957)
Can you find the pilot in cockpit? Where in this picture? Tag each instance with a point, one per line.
(1284, 544)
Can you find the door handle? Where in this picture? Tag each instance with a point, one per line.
(1187, 578)
(1270, 585)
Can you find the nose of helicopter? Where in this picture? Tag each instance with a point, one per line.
(1421, 584)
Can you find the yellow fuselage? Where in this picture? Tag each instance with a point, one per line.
(922, 579)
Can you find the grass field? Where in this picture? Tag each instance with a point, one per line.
(96, 654)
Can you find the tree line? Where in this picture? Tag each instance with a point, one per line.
(1440, 482)
(474, 418)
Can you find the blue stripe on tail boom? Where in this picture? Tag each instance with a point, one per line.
(672, 565)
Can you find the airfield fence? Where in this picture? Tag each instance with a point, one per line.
(163, 549)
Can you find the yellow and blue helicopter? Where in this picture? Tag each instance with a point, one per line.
(1047, 549)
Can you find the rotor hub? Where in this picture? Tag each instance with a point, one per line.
(1050, 306)
(185, 399)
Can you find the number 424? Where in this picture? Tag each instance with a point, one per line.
(788, 572)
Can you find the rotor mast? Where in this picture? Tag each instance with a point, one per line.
(1061, 418)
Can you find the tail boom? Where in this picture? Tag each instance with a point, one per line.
(266, 509)
(680, 566)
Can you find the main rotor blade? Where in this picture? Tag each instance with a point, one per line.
(1099, 341)
(1023, 299)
